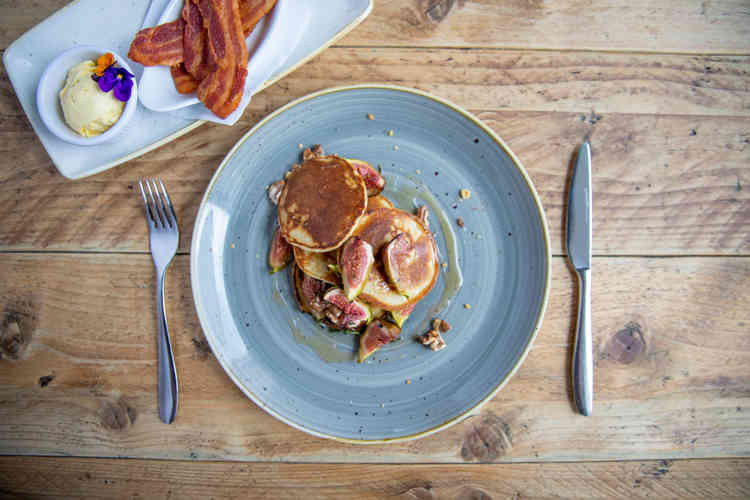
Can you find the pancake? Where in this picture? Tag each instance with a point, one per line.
(378, 201)
(417, 274)
(317, 264)
(321, 204)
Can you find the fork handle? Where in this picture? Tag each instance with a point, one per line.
(167, 374)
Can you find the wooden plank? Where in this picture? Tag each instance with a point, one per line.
(671, 371)
(679, 26)
(25, 477)
(665, 184)
(676, 26)
(538, 81)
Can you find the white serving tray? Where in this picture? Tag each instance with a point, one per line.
(86, 22)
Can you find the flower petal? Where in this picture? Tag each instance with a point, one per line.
(122, 91)
(124, 74)
(104, 62)
(107, 81)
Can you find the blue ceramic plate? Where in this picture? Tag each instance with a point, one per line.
(304, 374)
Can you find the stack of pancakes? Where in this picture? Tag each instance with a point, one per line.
(324, 203)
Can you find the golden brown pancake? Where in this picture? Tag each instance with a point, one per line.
(378, 201)
(418, 276)
(318, 264)
(321, 204)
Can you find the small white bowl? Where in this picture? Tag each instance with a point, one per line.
(53, 80)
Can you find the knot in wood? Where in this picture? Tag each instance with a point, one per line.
(627, 345)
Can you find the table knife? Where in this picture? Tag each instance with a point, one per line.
(579, 254)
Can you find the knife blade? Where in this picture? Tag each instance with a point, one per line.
(578, 240)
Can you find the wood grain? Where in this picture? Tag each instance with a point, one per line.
(676, 26)
(74, 477)
(664, 184)
(78, 373)
(695, 26)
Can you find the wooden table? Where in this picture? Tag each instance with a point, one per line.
(662, 89)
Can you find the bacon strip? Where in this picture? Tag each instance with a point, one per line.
(252, 11)
(205, 49)
(160, 45)
(222, 89)
(183, 81)
(194, 41)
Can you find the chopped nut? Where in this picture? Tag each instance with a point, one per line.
(390, 133)
(440, 325)
(274, 191)
(408, 381)
(467, 306)
(465, 194)
(445, 265)
(419, 172)
(460, 222)
(433, 340)
(395, 148)
(313, 152)
(232, 245)
(370, 116)
(300, 145)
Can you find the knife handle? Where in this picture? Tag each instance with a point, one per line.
(583, 361)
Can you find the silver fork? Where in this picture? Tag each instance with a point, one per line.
(164, 240)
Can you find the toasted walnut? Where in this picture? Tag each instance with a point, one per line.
(433, 340)
(274, 191)
(440, 325)
(313, 152)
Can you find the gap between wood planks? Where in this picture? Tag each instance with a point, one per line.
(511, 48)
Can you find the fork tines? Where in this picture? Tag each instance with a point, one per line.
(159, 209)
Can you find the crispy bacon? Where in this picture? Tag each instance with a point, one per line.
(194, 41)
(252, 11)
(205, 49)
(160, 45)
(183, 81)
(222, 89)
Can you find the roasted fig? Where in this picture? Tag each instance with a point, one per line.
(376, 335)
(346, 314)
(308, 292)
(280, 253)
(355, 263)
(398, 256)
(416, 277)
(400, 315)
(374, 182)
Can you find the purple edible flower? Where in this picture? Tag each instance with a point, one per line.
(119, 79)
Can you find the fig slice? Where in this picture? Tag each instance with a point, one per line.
(346, 314)
(308, 291)
(400, 315)
(355, 263)
(280, 253)
(374, 182)
(376, 335)
(398, 256)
